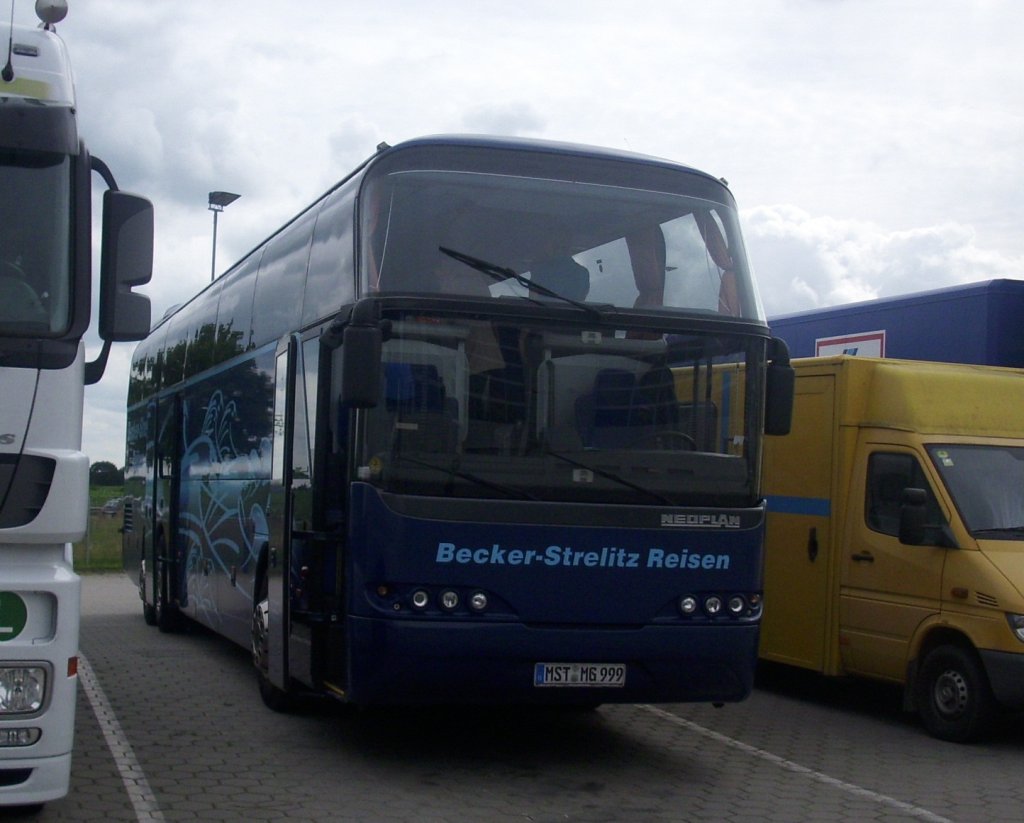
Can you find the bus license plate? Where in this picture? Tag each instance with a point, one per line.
(580, 675)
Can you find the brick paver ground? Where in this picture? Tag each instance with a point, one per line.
(201, 746)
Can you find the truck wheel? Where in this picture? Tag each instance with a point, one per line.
(953, 695)
(275, 698)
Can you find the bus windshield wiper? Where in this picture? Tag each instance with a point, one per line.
(454, 471)
(502, 273)
(607, 475)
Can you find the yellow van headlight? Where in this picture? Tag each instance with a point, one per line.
(1017, 625)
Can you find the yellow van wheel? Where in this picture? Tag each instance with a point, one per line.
(953, 695)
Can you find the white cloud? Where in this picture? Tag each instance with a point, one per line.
(806, 262)
(893, 129)
(514, 118)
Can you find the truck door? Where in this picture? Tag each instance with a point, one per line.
(888, 588)
(798, 555)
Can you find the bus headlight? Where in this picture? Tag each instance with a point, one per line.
(22, 689)
(1017, 625)
(737, 605)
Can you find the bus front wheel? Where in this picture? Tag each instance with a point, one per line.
(274, 697)
(148, 610)
(165, 615)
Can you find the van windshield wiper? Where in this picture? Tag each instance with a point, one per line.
(999, 530)
(502, 273)
(607, 475)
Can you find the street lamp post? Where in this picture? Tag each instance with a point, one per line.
(218, 201)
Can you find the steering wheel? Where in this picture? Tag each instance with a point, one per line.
(18, 300)
(9, 268)
(687, 442)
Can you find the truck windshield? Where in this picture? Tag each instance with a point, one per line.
(35, 238)
(515, 409)
(629, 236)
(987, 485)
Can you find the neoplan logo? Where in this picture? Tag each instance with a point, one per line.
(6, 439)
(701, 521)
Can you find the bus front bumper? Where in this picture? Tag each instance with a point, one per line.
(434, 662)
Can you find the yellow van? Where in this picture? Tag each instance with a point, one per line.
(895, 534)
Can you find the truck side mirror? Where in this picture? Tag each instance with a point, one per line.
(125, 261)
(912, 516)
(780, 385)
(914, 530)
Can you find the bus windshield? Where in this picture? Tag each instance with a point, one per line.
(514, 409)
(659, 242)
(35, 239)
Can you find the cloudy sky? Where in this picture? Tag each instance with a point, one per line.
(875, 146)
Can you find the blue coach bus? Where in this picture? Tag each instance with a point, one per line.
(482, 424)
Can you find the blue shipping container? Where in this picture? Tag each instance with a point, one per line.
(980, 323)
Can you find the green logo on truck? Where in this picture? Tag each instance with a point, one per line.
(13, 615)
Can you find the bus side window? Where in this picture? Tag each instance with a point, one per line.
(336, 470)
(302, 434)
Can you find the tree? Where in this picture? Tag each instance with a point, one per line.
(104, 473)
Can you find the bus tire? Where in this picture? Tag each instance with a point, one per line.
(274, 698)
(164, 613)
(148, 610)
(954, 698)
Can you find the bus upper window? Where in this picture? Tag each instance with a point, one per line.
(620, 246)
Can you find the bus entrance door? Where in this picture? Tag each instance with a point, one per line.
(169, 595)
(274, 665)
(308, 547)
(296, 551)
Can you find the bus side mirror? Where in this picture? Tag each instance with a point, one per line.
(360, 366)
(126, 260)
(912, 516)
(780, 385)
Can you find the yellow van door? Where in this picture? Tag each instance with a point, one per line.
(887, 588)
(798, 547)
